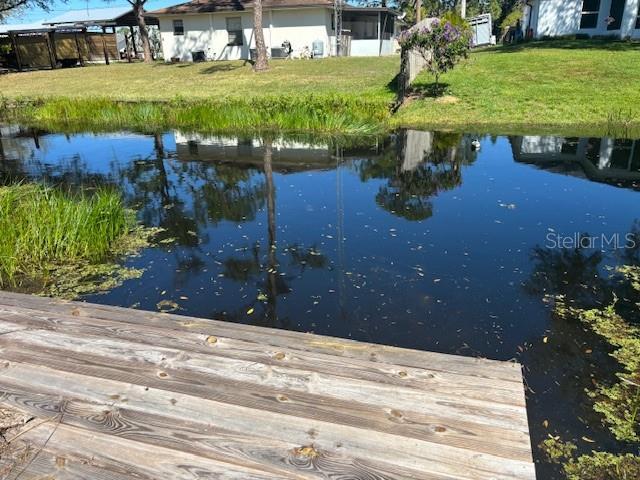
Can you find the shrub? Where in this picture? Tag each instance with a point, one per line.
(441, 44)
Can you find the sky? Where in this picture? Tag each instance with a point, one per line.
(35, 14)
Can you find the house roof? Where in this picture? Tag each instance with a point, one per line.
(112, 16)
(23, 27)
(210, 6)
(96, 15)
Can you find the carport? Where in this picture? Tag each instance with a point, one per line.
(75, 37)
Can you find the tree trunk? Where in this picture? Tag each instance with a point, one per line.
(463, 8)
(272, 272)
(138, 11)
(261, 50)
(418, 11)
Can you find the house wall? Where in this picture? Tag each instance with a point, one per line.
(301, 29)
(371, 48)
(207, 32)
(554, 18)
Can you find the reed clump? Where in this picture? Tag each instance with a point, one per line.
(319, 113)
(45, 231)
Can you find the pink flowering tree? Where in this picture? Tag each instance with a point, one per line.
(440, 43)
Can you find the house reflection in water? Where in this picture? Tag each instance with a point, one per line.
(608, 160)
(290, 154)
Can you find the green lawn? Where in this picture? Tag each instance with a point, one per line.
(561, 86)
(194, 81)
(555, 85)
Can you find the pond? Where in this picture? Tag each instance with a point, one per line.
(429, 240)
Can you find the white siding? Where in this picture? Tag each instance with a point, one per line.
(558, 17)
(208, 32)
(554, 18)
(371, 48)
(300, 27)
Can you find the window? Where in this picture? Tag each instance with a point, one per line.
(387, 25)
(638, 18)
(361, 26)
(178, 27)
(234, 30)
(635, 160)
(590, 11)
(616, 12)
(570, 146)
(621, 153)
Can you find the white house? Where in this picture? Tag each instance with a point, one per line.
(223, 29)
(593, 18)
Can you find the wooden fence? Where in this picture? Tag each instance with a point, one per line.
(49, 49)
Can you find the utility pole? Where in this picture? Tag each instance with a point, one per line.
(463, 8)
(418, 11)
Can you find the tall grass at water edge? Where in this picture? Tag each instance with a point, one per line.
(41, 227)
(302, 113)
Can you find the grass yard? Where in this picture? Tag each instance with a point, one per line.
(197, 81)
(555, 85)
(562, 86)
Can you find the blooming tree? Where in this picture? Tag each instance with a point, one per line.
(440, 43)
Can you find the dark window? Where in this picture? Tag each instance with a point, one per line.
(635, 160)
(178, 27)
(234, 30)
(614, 21)
(360, 26)
(590, 10)
(593, 150)
(387, 25)
(620, 154)
(570, 146)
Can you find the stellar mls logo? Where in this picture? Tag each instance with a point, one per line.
(601, 242)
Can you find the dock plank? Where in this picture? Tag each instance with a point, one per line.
(480, 367)
(132, 394)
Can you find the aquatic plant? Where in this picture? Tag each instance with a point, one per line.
(618, 403)
(596, 466)
(55, 239)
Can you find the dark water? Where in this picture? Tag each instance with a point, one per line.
(415, 240)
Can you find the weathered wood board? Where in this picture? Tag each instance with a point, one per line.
(114, 393)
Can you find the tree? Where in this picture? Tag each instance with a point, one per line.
(8, 7)
(441, 44)
(261, 63)
(138, 13)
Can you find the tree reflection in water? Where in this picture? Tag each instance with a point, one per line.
(421, 165)
(571, 359)
(262, 267)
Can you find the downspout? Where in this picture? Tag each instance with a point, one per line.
(529, 22)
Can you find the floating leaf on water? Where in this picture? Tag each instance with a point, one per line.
(545, 340)
(262, 297)
(167, 306)
(250, 311)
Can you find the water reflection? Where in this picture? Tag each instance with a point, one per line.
(413, 239)
(611, 160)
(420, 166)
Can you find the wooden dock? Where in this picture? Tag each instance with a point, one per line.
(114, 393)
